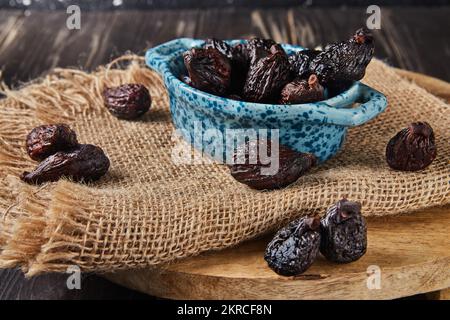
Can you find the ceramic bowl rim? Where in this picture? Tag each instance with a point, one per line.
(333, 108)
(210, 96)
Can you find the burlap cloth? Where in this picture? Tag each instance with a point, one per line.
(148, 211)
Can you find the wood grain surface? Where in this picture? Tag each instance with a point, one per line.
(439, 295)
(412, 253)
(32, 43)
(14, 286)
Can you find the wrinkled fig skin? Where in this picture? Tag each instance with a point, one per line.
(295, 247)
(412, 149)
(300, 62)
(238, 57)
(259, 48)
(291, 166)
(261, 43)
(344, 61)
(344, 232)
(128, 101)
(86, 162)
(302, 91)
(46, 140)
(223, 47)
(209, 70)
(267, 77)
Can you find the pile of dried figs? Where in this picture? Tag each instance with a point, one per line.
(57, 147)
(340, 236)
(61, 155)
(412, 149)
(259, 70)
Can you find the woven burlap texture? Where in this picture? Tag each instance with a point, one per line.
(149, 210)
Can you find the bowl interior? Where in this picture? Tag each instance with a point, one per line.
(178, 68)
(349, 107)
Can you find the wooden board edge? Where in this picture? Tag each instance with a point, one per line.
(395, 283)
(439, 295)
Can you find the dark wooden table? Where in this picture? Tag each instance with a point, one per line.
(32, 43)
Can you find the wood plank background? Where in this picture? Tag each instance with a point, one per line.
(34, 42)
(31, 43)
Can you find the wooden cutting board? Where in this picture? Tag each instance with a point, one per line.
(407, 255)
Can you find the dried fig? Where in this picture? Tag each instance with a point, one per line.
(344, 61)
(294, 248)
(344, 232)
(209, 70)
(291, 165)
(302, 91)
(86, 162)
(128, 101)
(267, 77)
(412, 149)
(46, 140)
(300, 62)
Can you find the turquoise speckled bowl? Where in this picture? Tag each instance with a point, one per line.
(319, 128)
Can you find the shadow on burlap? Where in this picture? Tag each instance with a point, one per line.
(148, 211)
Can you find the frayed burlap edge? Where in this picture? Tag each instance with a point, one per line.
(28, 220)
